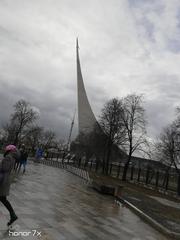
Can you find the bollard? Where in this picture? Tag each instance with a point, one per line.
(97, 165)
(157, 178)
(84, 165)
(110, 169)
(118, 172)
(118, 191)
(132, 172)
(147, 176)
(79, 163)
(139, 174)
(167, 181)
(91, 165)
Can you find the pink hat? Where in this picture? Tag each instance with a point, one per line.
(10, 148)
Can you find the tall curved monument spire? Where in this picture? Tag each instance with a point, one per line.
(86, 118)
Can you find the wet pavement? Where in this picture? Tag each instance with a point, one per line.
(164, 209)
(167, 202)
(57, 205)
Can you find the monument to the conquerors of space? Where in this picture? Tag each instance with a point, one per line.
(86, 118)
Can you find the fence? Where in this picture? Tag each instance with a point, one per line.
(59, 164)
(150, 177)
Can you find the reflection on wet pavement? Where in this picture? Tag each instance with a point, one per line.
(166, 202)
(62, 206)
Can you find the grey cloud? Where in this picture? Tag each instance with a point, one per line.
(161, 106)
(38, 62)
(160, 113)
(174, 45)
(55, 113)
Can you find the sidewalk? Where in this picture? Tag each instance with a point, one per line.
(165, 210)
(160, 210)
(61, 206)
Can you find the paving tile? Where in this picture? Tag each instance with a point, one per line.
(63, 207)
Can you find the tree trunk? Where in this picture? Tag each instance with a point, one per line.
(104, 160)
(126, 166)
(108, 158)
(167, 173)
(104, 157)
(177, 170)
(15, 142)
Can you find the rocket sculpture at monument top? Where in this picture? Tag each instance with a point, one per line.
(86, 118)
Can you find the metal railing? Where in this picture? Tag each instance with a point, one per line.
(58, 163)
(151, 178)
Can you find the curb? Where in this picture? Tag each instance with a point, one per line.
(150, 220)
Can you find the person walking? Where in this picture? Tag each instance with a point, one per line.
(23, 158)
(17, 158)
(6, 166)
(39, 154)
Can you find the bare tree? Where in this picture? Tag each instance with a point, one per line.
(23, 116)
(48, 140)
(10, 131)
(113, 127)
(82, 146)
(167, 150)
(32, 137)
(168, 146)
(91, 144)
(97, 142)
(59, 144)
(3, 137)
(133, 117)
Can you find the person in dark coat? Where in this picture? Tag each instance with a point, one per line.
(6, 166)
(17, 156)
(38, 155)
(23, 158)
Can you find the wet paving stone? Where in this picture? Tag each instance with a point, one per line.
(62, 206)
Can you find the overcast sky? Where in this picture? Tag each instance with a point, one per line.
(125, 47)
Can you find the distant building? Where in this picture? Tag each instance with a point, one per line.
(144, 163)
